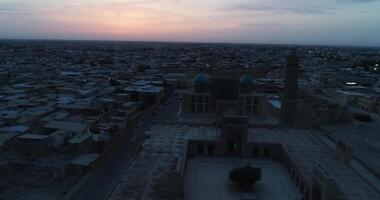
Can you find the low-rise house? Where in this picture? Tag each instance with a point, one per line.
(82, 163)
(369, 103)
(33, 144)
(5, 139)
(81, 143)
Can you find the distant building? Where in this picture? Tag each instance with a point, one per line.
(142, 89)
(345, 97)
(369, 103)
(33, 144)
(226, 91)
(4, 77)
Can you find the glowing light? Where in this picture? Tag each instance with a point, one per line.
(351, 83)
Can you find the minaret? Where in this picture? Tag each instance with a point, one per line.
(289, 96)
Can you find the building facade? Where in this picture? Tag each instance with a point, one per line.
(224, 92)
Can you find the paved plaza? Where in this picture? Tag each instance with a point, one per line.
(164, 144)
(207, 178)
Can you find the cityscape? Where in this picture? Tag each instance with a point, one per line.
(193, 117)
(133, 120)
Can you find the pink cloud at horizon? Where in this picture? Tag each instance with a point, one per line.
(215, 20)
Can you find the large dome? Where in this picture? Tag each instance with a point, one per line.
(246, 84)
(201, 82)
(246, 80)
(201, 79)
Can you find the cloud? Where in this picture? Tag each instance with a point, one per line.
(357, 1)
(302, 10)
(9, 6)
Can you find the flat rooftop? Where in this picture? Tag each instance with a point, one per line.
(365, 142)
(33, 137)
(165, 144)
(79, 138)
(69, 126)
(5, 137)
(85, 160)
(306, 151)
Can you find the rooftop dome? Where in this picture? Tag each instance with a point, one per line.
(201, 82)
(201, 79)
(246, 80)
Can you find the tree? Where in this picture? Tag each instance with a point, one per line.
(148, 100)
(134, 96)
(363, 117)
(113, 82)
(245, 177)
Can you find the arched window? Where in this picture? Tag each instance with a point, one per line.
(267, 152)
(210, 150)
(200, 149)
(255, 152)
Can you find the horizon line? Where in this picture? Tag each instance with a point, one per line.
(184, 42)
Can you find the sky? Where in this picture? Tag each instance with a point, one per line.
(324, 22)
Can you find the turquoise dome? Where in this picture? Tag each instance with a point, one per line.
(246, 80)
(201, 83)
(201, 79)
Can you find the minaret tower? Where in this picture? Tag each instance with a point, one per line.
(289, 96)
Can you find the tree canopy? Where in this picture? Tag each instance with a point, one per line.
(245, 177)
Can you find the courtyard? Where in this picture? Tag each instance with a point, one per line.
(207, 178)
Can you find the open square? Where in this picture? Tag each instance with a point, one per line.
(207, 178)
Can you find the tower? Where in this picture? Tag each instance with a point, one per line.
(289, 96)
